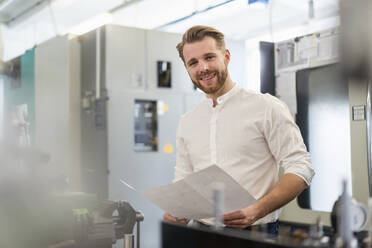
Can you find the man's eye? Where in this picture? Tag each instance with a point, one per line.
(192, 63)
(210, 57)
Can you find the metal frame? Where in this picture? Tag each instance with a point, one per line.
(369, 130)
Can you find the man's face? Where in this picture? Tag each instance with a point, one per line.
(206, 64)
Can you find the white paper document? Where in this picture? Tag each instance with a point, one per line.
(193, 197)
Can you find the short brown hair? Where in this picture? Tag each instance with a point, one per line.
(198, 33)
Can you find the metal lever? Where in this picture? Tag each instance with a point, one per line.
(128, 241)
(139, 217)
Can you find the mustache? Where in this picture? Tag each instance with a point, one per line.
(206, 73)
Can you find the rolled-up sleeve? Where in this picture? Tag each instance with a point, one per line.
(183, 164)
(285, 141)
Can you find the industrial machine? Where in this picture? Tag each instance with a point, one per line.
(38, 210)
(102, 228)
(330, 110)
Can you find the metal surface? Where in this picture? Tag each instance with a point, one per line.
(98, 63)
(323, 118)
(94, 123)
(345, 237)
(356, 50)
(181, 236)
(369, 130)
(128, 241)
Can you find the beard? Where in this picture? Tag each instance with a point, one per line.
(221, 79)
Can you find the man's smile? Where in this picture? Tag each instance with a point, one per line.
(207, 77)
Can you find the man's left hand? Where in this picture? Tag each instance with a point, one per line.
(242, 218)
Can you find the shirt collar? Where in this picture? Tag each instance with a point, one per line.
(224, 97)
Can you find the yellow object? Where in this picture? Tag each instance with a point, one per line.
(165, 107)
(168, 148)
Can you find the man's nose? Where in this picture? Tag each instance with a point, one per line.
(203, 66)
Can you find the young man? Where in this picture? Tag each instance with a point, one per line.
(247, 134)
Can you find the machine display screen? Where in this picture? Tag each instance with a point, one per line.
(145, 125)
(164, 74)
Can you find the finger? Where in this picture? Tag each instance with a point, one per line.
(182, 220)
(234, 215)
(244, 221)
(169, 217)
(236, 222)
(186, 220)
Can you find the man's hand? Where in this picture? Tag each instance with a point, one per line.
(171, 218)
(242, 218)
(288, 187)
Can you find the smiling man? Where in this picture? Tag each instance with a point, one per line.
(247, 134)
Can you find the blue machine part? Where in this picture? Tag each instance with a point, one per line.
(254, 1)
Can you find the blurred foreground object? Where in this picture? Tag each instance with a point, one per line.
(37, 211)
(356, 38)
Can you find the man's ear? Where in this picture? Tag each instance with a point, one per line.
(227, 55)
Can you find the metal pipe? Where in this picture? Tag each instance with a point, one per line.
(345, 237)
(128, 241)
(138, 234)
(139, 217)
(98, 63)
(369, 133)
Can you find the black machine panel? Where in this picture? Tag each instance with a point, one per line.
(180, 236)
(323, 118)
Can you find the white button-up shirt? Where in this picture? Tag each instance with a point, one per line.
(247, 134)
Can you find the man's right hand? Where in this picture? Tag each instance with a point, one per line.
(171, 218)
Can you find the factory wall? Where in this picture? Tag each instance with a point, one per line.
(57, 106)
(19, 87)
(93, 116)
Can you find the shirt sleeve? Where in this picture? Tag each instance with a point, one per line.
(285, 141)
(183, 163)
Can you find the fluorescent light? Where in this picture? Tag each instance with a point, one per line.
(90, 24)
